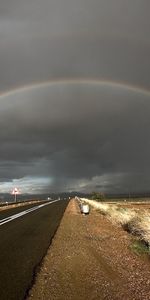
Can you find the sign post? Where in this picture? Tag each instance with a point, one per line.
(15, 192)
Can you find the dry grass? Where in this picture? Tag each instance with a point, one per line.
(136, 222)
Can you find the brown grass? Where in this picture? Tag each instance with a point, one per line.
(136, 222)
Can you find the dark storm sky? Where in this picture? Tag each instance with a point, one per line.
(74, 95)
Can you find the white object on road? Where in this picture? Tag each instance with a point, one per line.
(85, 209)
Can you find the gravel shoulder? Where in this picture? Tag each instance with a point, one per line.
(90, 258)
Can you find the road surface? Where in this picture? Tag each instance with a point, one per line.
(25, 235)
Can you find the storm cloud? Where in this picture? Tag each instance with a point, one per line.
(75, 100)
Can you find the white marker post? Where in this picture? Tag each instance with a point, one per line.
(15, 192)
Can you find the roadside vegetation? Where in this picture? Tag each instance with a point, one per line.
(133, 220)
(139, 248)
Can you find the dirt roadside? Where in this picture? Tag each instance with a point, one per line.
(90, 259)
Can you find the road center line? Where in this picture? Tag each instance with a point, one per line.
(25, 212)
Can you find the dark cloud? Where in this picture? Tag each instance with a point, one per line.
(77, 135)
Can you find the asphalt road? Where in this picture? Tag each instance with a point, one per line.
(24, 240)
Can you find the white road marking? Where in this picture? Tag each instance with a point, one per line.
(22, 213)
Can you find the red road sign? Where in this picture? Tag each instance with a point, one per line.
(15, 191)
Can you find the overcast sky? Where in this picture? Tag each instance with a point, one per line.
(74, 95)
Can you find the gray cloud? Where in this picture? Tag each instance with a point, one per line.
(84, 135)
(57, 39)
(74, 133)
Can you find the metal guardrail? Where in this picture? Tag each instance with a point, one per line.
(6, 203)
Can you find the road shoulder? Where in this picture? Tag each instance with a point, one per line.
(89, 258)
